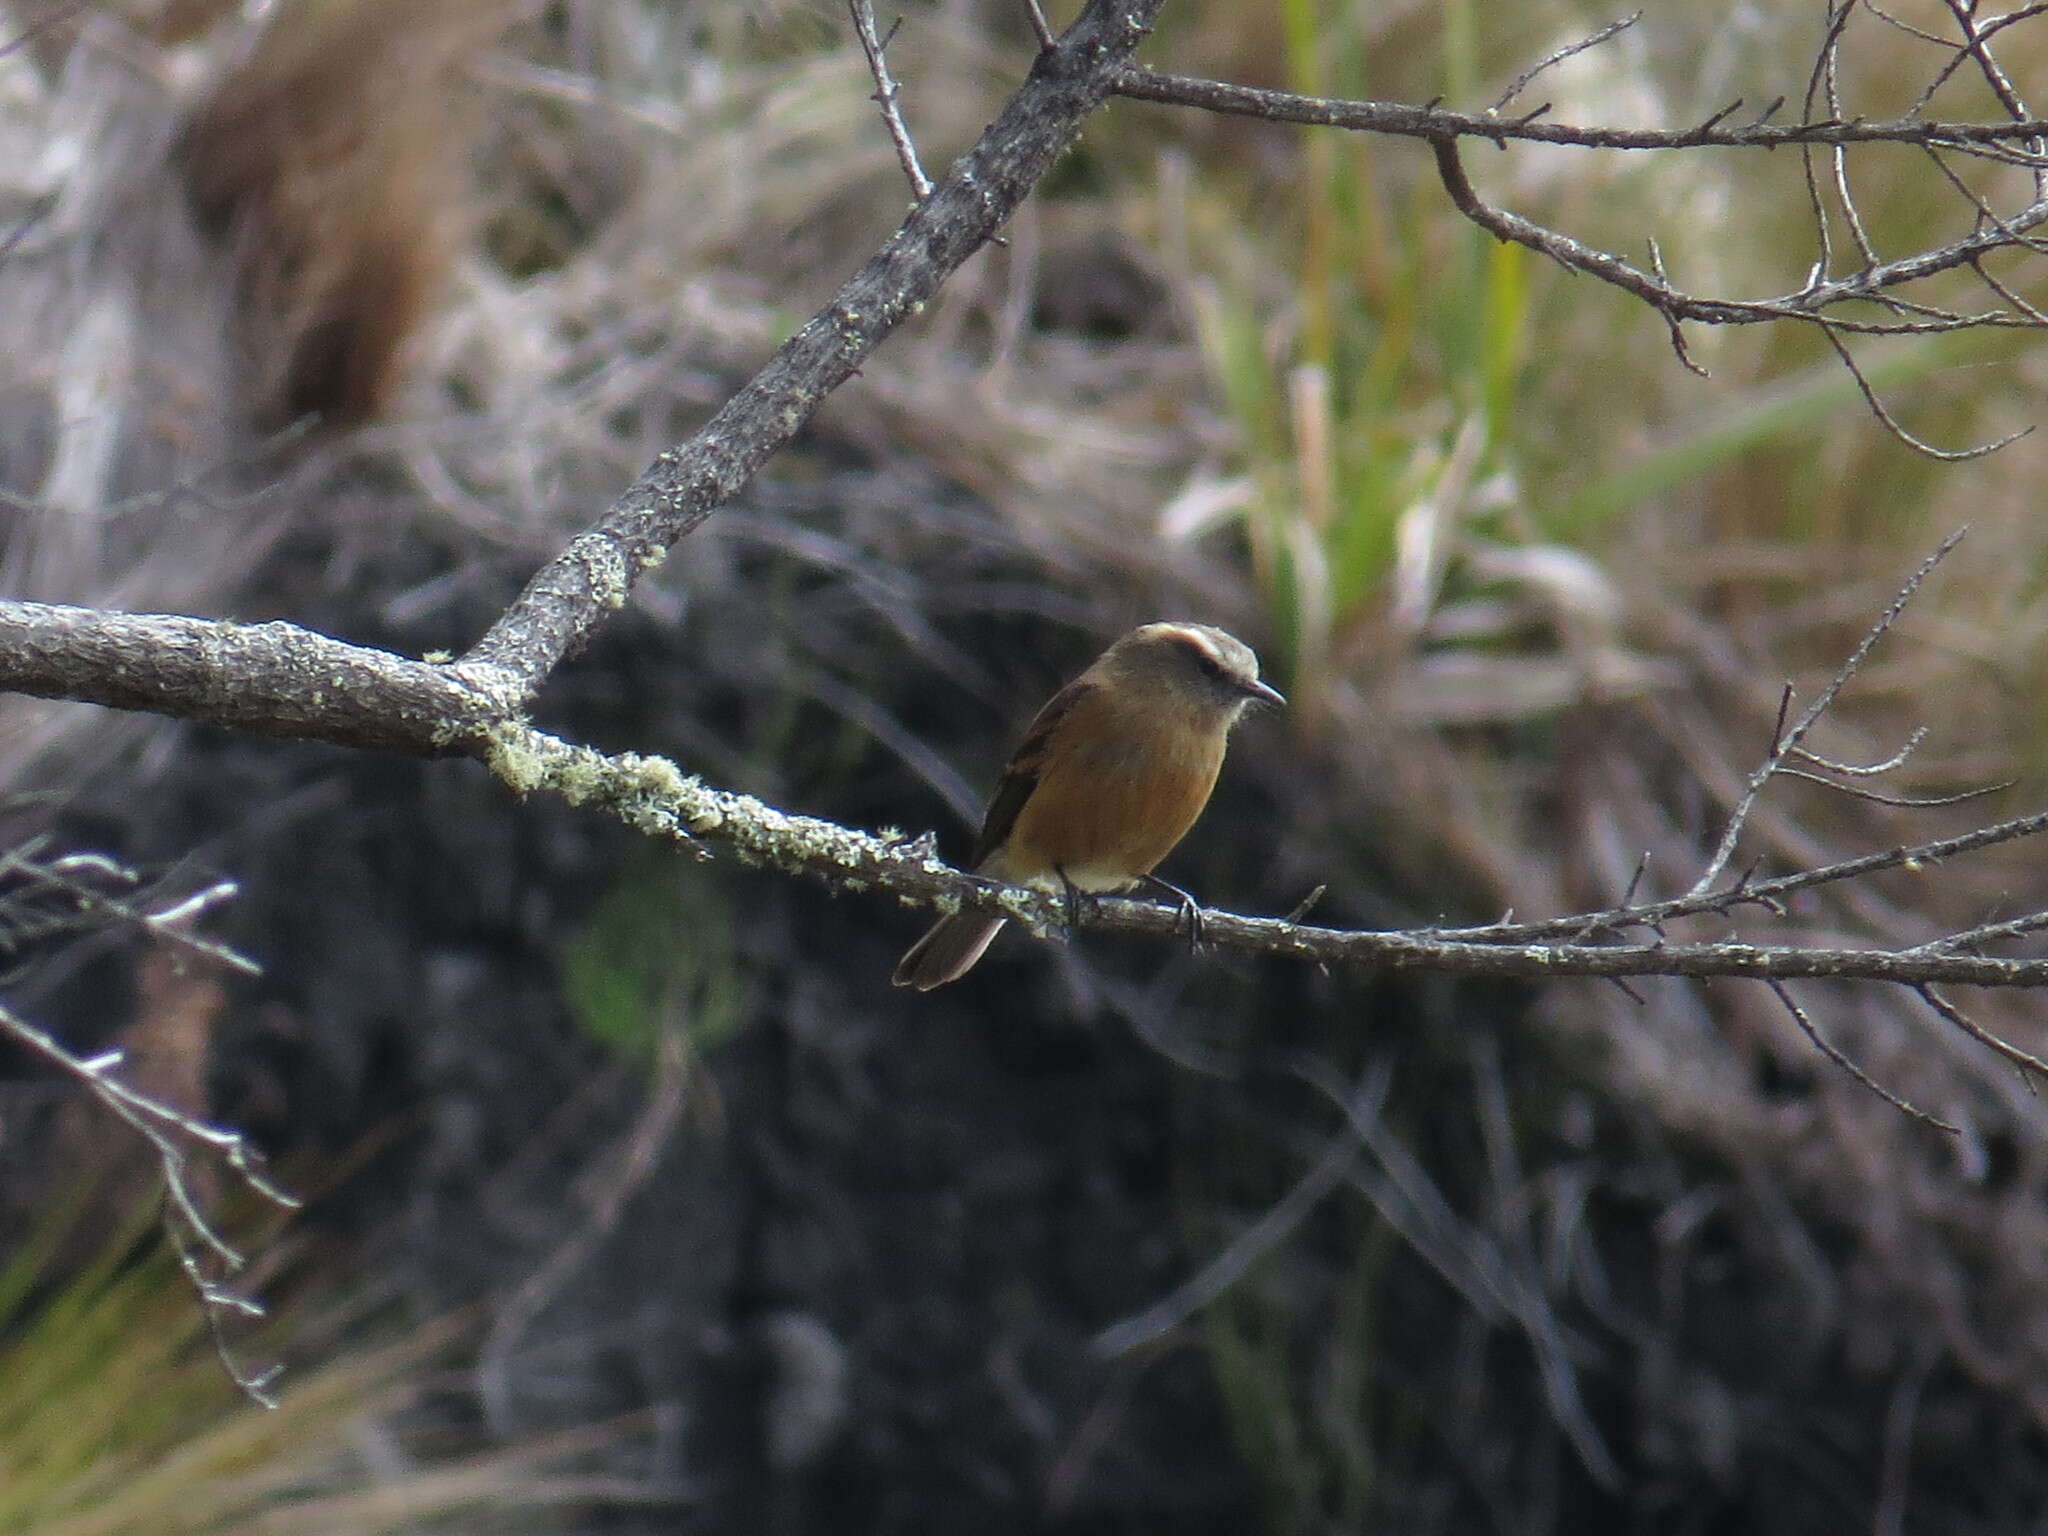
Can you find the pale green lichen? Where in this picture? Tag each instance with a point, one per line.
(656, 797)
(583, 780)
(510, 752)
(605, 569)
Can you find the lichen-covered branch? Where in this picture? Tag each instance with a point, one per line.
(653, 795)
(273, 679)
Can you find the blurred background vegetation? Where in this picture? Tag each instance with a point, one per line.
(639, 1201)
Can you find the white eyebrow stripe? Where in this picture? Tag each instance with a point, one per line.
(1198, 639)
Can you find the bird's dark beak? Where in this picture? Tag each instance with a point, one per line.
(1265, 693)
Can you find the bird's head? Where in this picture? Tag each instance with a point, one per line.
(1193, 664)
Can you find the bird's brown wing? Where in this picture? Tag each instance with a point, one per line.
(1020, 775)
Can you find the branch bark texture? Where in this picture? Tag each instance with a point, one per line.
(273, 679)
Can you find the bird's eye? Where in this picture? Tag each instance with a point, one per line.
(1210, 666)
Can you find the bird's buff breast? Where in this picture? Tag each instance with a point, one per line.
(1109, 812)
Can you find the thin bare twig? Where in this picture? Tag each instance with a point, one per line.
(1903, 802)
(1976, 44)
(1789, 742)
(1988, 933)
(1523, 81)
(1863, 770)
(886, 91)
(172, 924)
(1822, 1044)
(1433, 121)
(172, 1134)
(1040, 27)
(2025, 1061)
(1891, 423)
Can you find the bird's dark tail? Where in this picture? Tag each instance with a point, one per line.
(946, 953)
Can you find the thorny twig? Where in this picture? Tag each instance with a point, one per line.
(886, 91)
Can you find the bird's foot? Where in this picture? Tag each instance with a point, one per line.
(1074, 899)
(1190, 909)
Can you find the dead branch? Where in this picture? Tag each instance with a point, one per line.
(208, 1259)
(1433, 122)
(1828, 128)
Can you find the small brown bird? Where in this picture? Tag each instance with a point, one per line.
(1107, 780)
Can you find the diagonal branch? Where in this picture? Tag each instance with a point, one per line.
(574, 593)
